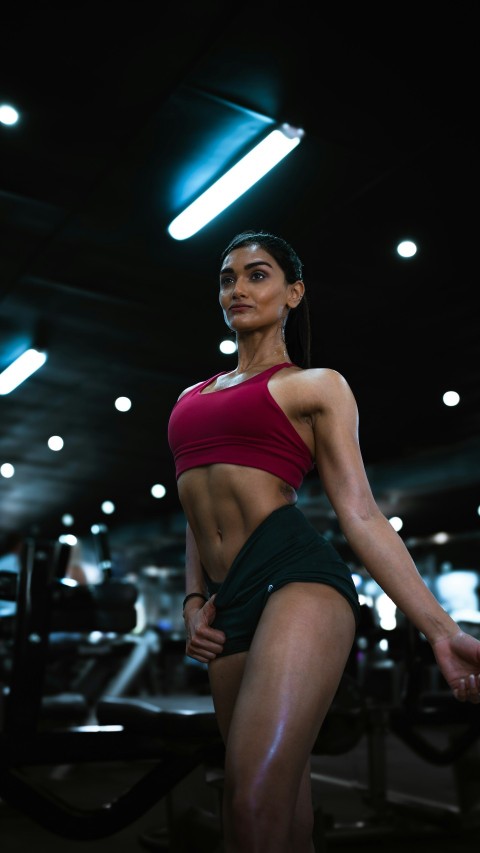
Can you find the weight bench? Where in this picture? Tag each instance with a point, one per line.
(174, 743)
(343, 727)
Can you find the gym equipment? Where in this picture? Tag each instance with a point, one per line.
(179, 744)
(431, 722)
(425, 717)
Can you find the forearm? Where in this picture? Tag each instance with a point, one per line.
(386, 558)
(194, 576)
(204, 643)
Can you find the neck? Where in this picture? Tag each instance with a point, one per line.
(256, 360)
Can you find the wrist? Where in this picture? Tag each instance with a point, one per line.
(445, 629)
(194, 596)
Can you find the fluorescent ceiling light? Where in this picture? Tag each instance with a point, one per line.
(21, 369)
(236, 181)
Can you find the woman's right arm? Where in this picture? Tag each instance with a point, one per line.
(194, 577)
(203, 642)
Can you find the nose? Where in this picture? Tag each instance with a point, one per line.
(239, 288)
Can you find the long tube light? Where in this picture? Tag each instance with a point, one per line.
(236, 181)
(21, 369)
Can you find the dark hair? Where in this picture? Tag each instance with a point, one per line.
(297, 327)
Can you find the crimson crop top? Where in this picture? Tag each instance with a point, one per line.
(241, 425)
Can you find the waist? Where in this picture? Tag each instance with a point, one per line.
(223, 505)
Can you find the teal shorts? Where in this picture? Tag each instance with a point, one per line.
(283, 549)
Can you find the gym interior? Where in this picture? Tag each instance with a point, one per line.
(108, 737)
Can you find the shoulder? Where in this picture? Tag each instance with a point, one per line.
(318, 388)
(324, 379)
(325, 375)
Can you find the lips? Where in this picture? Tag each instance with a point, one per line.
(234, 308)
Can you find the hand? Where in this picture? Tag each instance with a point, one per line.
(203, 642)
(458, 657)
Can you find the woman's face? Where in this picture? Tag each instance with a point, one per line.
(253, 291)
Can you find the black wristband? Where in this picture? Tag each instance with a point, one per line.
(193, 595)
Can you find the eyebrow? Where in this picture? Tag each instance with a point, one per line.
(248, 266)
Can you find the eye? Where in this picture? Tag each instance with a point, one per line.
(226, 280)
(257, 274)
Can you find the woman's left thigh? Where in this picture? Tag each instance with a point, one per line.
(292, 671)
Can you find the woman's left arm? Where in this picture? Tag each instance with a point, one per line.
(372, 538)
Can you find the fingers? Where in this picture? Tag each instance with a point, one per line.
(203, 642)
(209, 608)
(209, 640)
(468, 689)
(203, 649)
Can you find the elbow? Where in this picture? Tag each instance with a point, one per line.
(358, 513)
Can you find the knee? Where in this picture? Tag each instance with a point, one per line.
(251, 810)
(258, 815)
(247, 801)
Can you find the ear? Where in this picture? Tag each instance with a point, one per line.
(295, 293)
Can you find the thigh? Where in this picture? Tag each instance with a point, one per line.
(225, 675)
(290, 677)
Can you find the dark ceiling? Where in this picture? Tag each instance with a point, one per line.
(125, 116)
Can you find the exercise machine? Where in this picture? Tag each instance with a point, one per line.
(45, 604)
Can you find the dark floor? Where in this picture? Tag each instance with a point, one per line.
(377, 796)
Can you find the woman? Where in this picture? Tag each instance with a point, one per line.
(270, 605)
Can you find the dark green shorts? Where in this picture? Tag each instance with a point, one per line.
(284, 548)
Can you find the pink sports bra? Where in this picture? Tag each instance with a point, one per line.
(240, 425)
